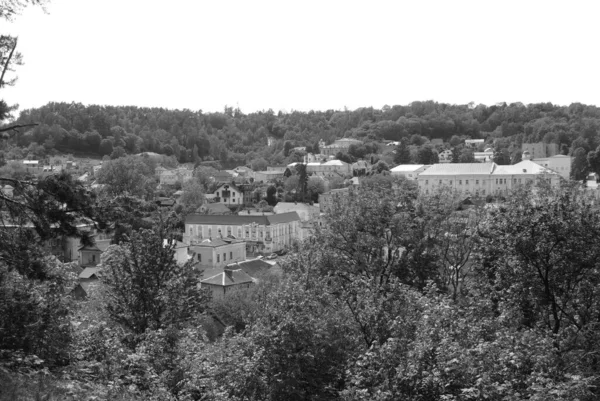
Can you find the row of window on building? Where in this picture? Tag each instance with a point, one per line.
(499, 181)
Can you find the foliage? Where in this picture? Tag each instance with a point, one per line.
(126, 175)
(146, 287)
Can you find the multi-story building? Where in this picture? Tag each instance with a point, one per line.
(261, 233)
(483, 178)
(330, 168)
(171, 176)
(540, 149)
(559, 163)
(217, 252)
(340, 145)
(229, 194)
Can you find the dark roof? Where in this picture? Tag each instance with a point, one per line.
(228, 278)
(240, 220)
(215, 208)
(231, 185)
(253, 267)
(100, 246)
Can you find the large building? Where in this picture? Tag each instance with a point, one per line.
(559, 163)
(261, 233)
(340, 145)
(540, 149)
(483, 178)
(217, 252)
(331, 168)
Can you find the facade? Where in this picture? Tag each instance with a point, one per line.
(267, 176)
(486, 156)
(305, 211)
(409, 171)
(559, 163)
(330, 168)
(473, 143)
(215, 253)
(229, 194)
(340, 145)
(540, 149)
(445, 156)
(171, 176)
(89, 255)
(261, 233)
(483, 178)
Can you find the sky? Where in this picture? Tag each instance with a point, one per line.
(306, 55)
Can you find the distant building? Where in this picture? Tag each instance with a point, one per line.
(217, 252)
(268, 176)
(409, 171)
(483, 178)
(305, 211)
(227, 281)
(261, 233)
(229, 194)
(171, 176)
(445, 156)
(540, 149)
(328, 199)
(473, 143)
(89, 255)
(559, 163)
(486, 156)
(340, 145)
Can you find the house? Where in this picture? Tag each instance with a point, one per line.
(218, 252)
(409, 171)
(261, 233)
(171, 176)
(360, 167)
(88, 281)
(331, 168)
(255, 268)
(229, 194)
(487, 156)
(340, 145)
(445, 156)
(269, 175)
(540, 149)
(89, 274)
(89, 255)
(227, 281)
(483, 178)
(473, 143)
(165, 202)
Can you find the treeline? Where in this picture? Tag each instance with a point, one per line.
(235, 138)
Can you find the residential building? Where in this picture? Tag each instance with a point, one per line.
(229, 194)
(171, 176)
(89, 255)
(540, 149)
(445, 156)
(483, 178)
(473, 143)
(217, 252)
(261, 233)
(305, 211)
(409, 171)
(329, 168)
(340, 145)
(268, 176)
(227, 281)
(487, 156)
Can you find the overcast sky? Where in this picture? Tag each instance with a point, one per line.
(303, 55)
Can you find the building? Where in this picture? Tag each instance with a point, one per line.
(328, 199)
(171, 176)
(409, 171)
(331, 168)
(540, 149)
(261, 233)
(89, 255)
(559, 163)
(218, 252)
(305, 211)
(483, 178)
(473, 143)
(214, 208)
(227, 281)
(269, 175)
(229, 194)
(340, 145)
(487, 156)
(445, 156)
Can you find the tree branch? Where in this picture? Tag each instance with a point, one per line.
(16, 127)
(5, 67)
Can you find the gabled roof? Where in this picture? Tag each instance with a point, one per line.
(231, 186)
(524, 167)
(459, 168)
(88, 272)
(241, 220)
(253, 268)
(100, 246)
(228, 278)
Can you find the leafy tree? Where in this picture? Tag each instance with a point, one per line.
(106, 147)
(126, 175)
(579, 166)
(193, 195)
(402, 155)
(426, 155)
(146, 287)
(271, 195)
(466, 156)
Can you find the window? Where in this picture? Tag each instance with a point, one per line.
(450, 182)
(239, 231)
(224, 256)
(247, 232)
(440, 182)
(230, 255)
(496, 181)
(93, 258)
(426, 182)
(218, 258)
(476, 182)
(209, 232)
(483, 191)
(459, 182)
(228, 231)
(199, 257)
(467, 182)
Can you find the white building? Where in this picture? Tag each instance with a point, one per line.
(483, 178)
(409, 171)
(229, 194)
(559, 163)
(473, 143)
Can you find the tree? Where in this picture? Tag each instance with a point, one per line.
(106, 147)
(302, 179)
(193, 195)
(126, 175)
(426, 155)
(579, 166)
(402, 155)
(271, 195)
(145, 286)
(380, 167)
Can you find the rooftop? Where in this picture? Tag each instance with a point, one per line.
(459, 169)
(241, 220)
(88, 272)
(406, 168)
(228, 278)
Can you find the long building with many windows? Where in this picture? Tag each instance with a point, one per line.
(261, 233)
(483, 178)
